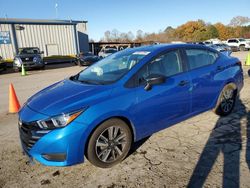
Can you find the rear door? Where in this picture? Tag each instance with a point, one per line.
(166, 103)
(203, 69)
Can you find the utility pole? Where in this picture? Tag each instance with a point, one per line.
(56, 8)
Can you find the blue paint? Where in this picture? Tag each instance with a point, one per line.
(147, 111)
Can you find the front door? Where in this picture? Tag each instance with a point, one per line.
(167, 103)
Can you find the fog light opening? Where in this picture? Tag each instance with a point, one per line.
(58, 157)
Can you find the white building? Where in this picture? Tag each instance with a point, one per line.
(54, 37)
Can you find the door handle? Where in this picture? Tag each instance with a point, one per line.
(219, 68)
(183, 83)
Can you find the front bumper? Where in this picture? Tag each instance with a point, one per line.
(234, 48)
(30, 65)
(247, 46)
(58, 147)
(85, 63)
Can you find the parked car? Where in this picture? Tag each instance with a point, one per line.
(200, 43)
(213, 41)
(106, 52)
(238, 44)
(3, 65)
(123, 98)
(223, 48)
(30, 58)
(87, 59)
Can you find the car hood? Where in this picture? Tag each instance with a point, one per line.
(67, 96)
(90, 58)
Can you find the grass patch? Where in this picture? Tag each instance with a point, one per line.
(8, 60)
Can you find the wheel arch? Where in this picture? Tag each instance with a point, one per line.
(229, 82)
(123, 118)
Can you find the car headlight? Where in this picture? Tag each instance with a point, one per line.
(18, 62)
(58, 121)
(37, 59)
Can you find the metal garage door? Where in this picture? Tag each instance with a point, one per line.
(52, 49)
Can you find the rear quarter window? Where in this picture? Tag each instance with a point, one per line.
(199, 58)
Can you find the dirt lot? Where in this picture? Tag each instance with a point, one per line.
(203, 151)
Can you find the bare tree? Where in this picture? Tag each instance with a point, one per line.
(139, 35)
(107, 36)
(130, 36)
(239, 21)
(115, 35)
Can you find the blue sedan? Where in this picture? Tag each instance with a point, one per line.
(123, 98)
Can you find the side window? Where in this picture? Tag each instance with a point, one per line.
(167, 65)
(199, 58)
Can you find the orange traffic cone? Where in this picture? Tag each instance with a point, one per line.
(14, 105)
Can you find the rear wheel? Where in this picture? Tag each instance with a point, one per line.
(242, 48)
(226, 101)
(109, 144)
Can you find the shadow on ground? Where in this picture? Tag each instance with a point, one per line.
(135, 146)
(226, 138)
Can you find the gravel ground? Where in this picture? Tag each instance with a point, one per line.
(204, 151)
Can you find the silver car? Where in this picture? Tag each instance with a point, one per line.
(106, 52)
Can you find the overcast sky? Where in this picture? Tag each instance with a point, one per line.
(127, 15)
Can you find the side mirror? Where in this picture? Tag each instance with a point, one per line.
(154, 79)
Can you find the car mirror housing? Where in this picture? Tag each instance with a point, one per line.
(154, 79)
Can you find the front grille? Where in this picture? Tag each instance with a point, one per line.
(30, 133)
(27, 59)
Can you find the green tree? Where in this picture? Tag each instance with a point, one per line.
(211, 32)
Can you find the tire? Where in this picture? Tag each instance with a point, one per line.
(226, 101)
(79, 63)
(109, 144)
(242, 48)
(17, 70)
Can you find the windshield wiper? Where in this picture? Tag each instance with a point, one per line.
(91, 82)
(74, 78)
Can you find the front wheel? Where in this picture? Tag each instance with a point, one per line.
(226, 101)
(109, 144)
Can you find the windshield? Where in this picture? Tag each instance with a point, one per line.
(111, 68)
(242, 40)
(110, 50)
(28, 51)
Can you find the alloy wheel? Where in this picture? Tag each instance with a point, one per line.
(110, 144)
(227, 100)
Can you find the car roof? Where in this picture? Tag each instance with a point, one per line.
(160, 47)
